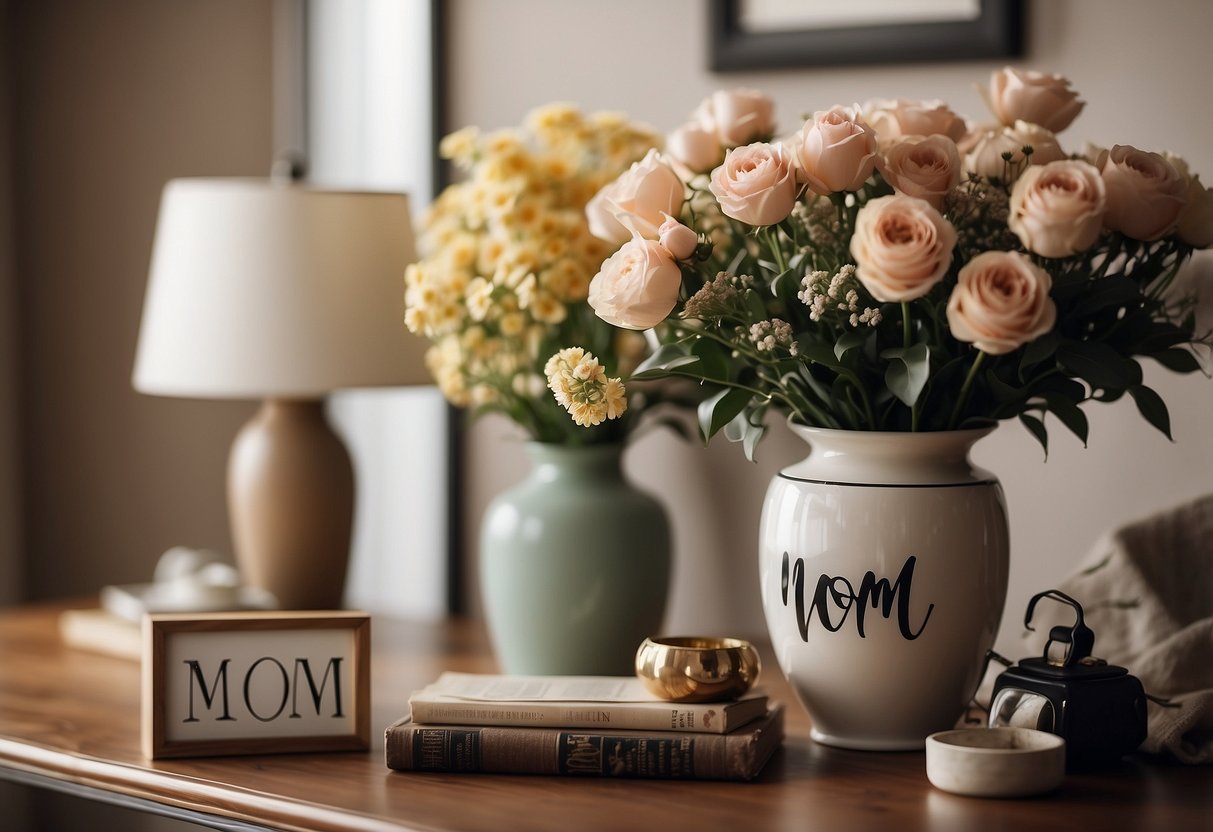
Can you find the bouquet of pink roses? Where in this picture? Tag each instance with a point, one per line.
(891, 267)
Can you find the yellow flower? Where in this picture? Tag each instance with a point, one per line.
(552, 118)
(459, 146)
(553, 248)
(415, 320)
(460, 250)
(479, 298)
(512, 324)
(546, 309)
(616, 398)
(503, 142)
(579, 385)
(507, 249)
(491, 249)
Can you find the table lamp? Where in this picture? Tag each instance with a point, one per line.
(280, 292)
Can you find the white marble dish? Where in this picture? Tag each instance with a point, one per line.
(996, 762)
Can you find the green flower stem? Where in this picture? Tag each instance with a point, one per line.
(964, 390)
(776, 251)
(905, 323)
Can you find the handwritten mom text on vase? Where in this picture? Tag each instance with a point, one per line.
(839, 593)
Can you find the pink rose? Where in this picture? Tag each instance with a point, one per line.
(836, 151)
(696, 148)
(738, 116)
(985, 148)
(756, 184)
(1145, 193)
(902, 247)
(1058, 209)
(893, 119)
(1000, 302)
(637, 286)
(678, 240)
(927, 167)
(1035, 97)
(1196, 220)
(636, 202)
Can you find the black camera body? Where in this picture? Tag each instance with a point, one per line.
(1098, 708)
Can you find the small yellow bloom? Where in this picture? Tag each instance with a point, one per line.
(512, 324)
(459, 146)
(546, 309)
(479, 298)
(415, 320)
(579, 385)
(502, 142)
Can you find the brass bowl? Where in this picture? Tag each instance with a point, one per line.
(696, 669)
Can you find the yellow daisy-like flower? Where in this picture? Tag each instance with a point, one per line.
(507, 250)
(546, 309)
(460, 146)
(579, 384)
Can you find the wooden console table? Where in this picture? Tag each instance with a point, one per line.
(69, 720)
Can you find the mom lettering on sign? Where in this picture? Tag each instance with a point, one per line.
(236, 683)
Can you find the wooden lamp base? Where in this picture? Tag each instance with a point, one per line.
(291, 504)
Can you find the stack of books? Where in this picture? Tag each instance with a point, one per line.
(602, 726)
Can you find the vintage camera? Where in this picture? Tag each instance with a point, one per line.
(1098, 708)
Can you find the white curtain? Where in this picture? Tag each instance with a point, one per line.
(369, 124)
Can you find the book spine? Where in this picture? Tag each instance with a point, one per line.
(449, 748)
(630, 716)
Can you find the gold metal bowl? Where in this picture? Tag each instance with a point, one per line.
(696, 669)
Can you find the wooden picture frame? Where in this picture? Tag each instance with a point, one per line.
(995, 32)
(255, 683)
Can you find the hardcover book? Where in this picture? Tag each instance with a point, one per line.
(676, 755)
(603, 702)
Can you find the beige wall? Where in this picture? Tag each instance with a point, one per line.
(110, 101)
(1139, 65)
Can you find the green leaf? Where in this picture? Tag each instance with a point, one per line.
(1152, 407)
(1070, 415)
(1095, 363)
(1038, 351)
(1108, 292)
(747, 428)
(749, 443)
(785, 281)
(1177, 360)
(718, 410)
(1002, 391)
(755, 306)
(849, 341)
(820, 353)
(907, 372)
(663, 362)
(1059, 384)
(1037, 429)
(713, 360)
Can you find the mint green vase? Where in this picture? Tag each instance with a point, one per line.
(574, 565)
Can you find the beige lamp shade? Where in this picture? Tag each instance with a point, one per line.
(263, 289)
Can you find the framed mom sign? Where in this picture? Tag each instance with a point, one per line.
(255, 683)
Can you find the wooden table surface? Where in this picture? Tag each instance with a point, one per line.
(70, 720)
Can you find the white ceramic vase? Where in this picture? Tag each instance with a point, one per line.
(883, 559)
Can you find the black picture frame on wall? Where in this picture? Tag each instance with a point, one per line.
(996, 32)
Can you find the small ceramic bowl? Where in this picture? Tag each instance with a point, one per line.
(996, 762)
(697, 669)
